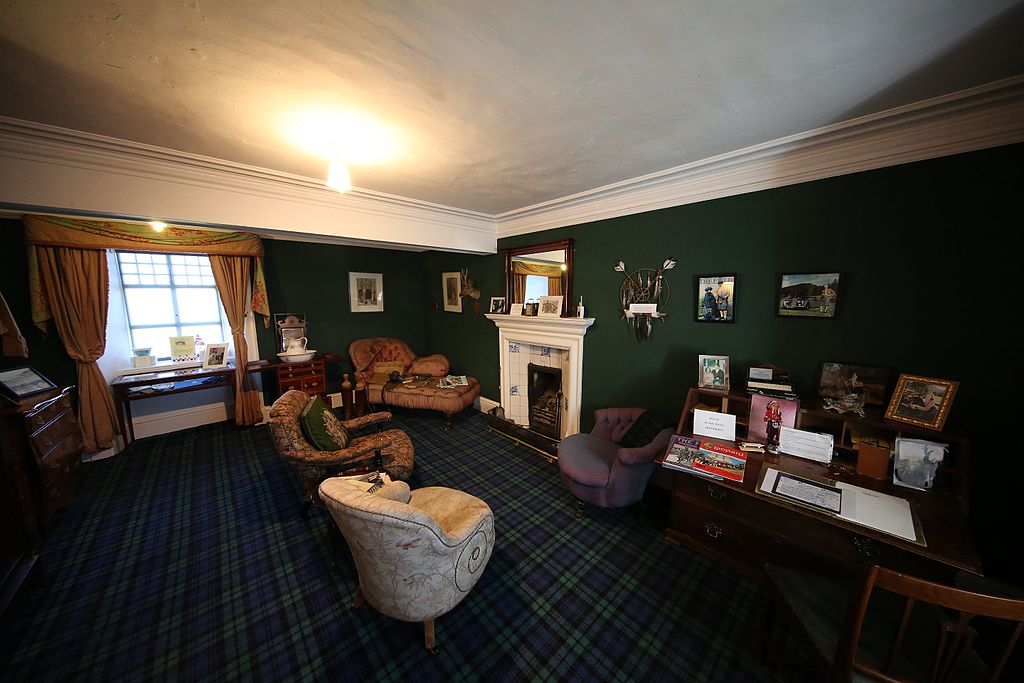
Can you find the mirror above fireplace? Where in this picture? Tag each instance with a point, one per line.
(539, 270)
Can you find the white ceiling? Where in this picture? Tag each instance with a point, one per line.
(498, 105)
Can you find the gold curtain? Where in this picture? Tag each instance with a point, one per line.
(54, 231)
(525, 268)
(518, 288)
(75, 283)
(13, 343)
(231, 274)
(554, 286)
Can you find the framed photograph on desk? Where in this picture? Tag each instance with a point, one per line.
(216, 356)
(17, 383)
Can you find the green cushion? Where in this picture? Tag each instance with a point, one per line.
(322, 428)
(645, 428)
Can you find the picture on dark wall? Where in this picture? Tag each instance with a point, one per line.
(713, 372)
(716, 298)
(922, 401)
(808, 295)
(839, 380)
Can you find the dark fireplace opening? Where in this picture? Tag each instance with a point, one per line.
(545, 400)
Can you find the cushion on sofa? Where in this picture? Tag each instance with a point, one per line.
(645, 428)
(434, 365)
(322, 428)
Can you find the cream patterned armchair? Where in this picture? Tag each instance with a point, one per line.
(417, 553)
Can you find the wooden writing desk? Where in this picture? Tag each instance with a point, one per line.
(130, 388)
(735, 525)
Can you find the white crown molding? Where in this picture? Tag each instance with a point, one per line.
(986, 116)
(54, 169)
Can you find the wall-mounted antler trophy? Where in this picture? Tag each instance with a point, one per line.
(468, 288)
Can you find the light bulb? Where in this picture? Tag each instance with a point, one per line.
(338, 177)
(158, 225)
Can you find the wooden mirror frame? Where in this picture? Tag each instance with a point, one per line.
(565, 245)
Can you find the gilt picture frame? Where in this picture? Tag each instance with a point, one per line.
(922, 401)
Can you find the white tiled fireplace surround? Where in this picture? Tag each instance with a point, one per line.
(549, 342)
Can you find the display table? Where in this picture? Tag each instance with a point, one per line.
(130, 388)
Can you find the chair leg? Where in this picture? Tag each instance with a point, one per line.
(580, 505)
(449, 421)
(428, 636)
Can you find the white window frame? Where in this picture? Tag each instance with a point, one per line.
(173, 286)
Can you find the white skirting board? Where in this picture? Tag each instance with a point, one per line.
(486, 404)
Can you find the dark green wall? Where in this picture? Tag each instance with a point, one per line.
(46, 352)
(926, 288)
(313, 279)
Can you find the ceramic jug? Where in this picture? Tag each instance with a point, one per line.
(295, 345)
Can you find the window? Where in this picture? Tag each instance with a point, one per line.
(168, 295)
(536, 287)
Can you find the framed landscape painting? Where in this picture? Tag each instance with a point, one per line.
(807, 295)
(839, 380)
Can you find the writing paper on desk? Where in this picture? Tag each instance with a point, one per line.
(715, 425)
(810, 445)
(877, 510)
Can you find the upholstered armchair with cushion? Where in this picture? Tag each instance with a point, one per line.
(610, 466)
(418, 553)
(314, 464)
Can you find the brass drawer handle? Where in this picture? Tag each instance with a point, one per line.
(712, 529)
(716, 492)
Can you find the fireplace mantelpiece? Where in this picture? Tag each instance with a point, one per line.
(559, 333)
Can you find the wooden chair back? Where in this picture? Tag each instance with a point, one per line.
(956, 633)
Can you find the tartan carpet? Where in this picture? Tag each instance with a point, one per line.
(186, 558)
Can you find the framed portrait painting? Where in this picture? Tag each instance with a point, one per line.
(922, 401)
(807, 295)
(366, 292)
(451, 290)
(716, 298)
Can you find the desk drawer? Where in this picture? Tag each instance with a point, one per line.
(742, 547)
(46, 439)
(313, 385)
(716, 496)
(63, 460)
(40, 419)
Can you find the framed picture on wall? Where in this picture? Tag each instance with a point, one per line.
(366, 292)
(807, 295)
(922, 401)
(17, 383)
(716, 298)
(451, 289)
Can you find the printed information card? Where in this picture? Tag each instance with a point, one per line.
(715, 425)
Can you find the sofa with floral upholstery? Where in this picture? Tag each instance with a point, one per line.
(376, 358)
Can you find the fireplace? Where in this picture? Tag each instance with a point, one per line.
(544, 398)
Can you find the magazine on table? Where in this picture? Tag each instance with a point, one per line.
(680, 455)
(721, 461)
(453, 381)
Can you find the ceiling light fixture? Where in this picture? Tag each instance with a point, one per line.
(158, 225)
(338, 177)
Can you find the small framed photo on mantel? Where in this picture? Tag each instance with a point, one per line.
(497, 304)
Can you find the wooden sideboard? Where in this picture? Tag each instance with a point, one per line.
(40, 447)
(743, 529)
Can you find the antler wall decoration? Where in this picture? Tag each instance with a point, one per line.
(643, 297)
(468, 288)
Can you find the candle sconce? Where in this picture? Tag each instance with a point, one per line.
(643, 296)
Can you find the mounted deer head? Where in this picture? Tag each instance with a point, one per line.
(468, 288)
